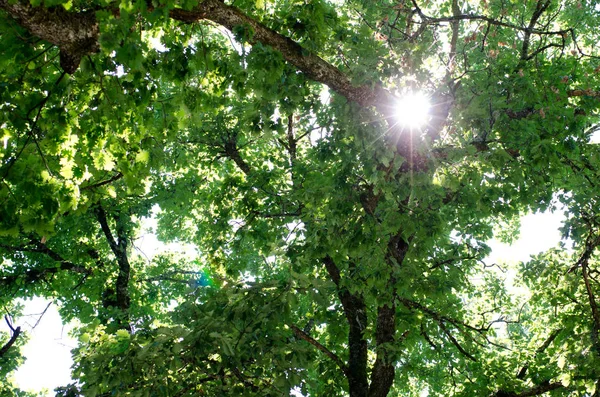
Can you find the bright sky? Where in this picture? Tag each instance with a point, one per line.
(539, 232)
(48, 350)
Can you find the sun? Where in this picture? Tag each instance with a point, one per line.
(412, 110)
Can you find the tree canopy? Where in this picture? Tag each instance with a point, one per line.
(339, 250)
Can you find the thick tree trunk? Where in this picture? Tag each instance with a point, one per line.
(382, 376)
(76, 34)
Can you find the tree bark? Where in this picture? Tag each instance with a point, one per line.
(355, 310)
(12, 340)
(76, 34)
(119, 249)
(36, 274)
(382, 376)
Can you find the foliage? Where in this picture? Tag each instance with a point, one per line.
(338, 252)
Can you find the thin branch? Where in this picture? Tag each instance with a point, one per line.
(112, 179)
(42, 315)
(32, 275)
(437, 316)
(541, 349)
(238, 374)
(474, 17)
(455, 342)
(539, 10)
(537, 390)
(540, 389)
(304, 336)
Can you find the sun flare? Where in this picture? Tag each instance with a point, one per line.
(412, 110)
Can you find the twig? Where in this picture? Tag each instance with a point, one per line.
(42, 315)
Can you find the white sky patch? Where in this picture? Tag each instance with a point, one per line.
(148, 244)
(5, 135)
(539, 232)
(48, 350)
(236, 45)
(319, 133)
(236, 224)
(153, 39)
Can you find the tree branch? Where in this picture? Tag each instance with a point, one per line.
(76, 34)
(534, 391)
(455, 342)
(355, 310)
(474, 17)
(439, 317)
(12, 340)
(119, 249)
(115, 177)
(231, 150)
(32, 275)
(304, 336)
(313, 66)
(382, 376)
(541, 349)
(539, 10)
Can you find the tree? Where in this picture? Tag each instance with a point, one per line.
(339, 251)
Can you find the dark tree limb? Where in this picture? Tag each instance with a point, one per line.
(313, 66)
(587, 93)
(540, 389)
(382, 376)
(119, 249)
(304, 336)
(534, 391)
(456, 343)
(440, 318)
(115, 177)
(36, 274)
(541, 349)
(355, 310)
(540, 7)
(232, 151)
(238, 374)
(475, 17)
(76, 34)
(13, 338)
(590, 246)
